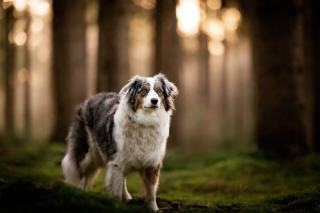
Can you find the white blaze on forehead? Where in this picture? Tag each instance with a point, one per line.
(151, 82)
(152, 94)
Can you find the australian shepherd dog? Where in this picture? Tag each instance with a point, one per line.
(126, 132)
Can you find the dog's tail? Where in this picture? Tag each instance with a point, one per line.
(70, 171)
(77, 149)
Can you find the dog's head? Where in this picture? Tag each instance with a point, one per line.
(150, 93)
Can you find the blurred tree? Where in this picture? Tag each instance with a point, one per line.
(278, 66)
(9, 72)
(158, 20)
(311, 52)
(167, 44)
(69, 62)
(167, 54)
(113, 61)
(27, 118)
(204, 67)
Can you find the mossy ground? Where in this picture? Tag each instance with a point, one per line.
(31, 181)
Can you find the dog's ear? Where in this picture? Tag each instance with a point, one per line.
(168, 87)
(170, 90)
(129, 87)
(131, 90)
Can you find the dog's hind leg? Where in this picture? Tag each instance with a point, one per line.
(114, 181)
(89, 171)
(83, 184)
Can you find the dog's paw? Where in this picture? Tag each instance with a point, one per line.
(126, 197)
(153, 205)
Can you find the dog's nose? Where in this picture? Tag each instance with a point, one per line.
(154, 101)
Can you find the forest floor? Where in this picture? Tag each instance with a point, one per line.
(31, 180)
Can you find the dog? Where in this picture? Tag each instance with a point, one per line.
(126, 132)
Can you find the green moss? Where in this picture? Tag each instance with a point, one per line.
(31, 180)
(30, 196)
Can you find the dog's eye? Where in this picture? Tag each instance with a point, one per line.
(144, 92)
(159, 91)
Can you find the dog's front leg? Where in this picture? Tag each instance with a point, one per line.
(125, 194)
(114, 181)
(83, 184)
(150, 178)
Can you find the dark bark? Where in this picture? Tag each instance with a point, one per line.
(9, 75)
(69, 62)
(158, 36)
(168, 46)
(311, 52)
(113, 62)
(316, 83)
(167, 55)
(278, 66)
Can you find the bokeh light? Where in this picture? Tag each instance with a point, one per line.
(33, 3)
(215, 29)
(6, 4)
(188, 15)
(148, 4)
(20, 5)
(10, 37)
(20, 38)
(36, 26)
(42, 8)
(23, 75)
(19, 25)
(216, 48)
(203, 14)
(35, 78)
(214, 4)
(231, 18)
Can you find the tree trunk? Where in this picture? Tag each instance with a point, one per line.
(167, 40)
(9, 74)
(27, 110)
(316, 83)
(69, 62)
(113, 62)
(204, 68)
(158, 36)
(278, 66)
(311, 52)
(167, 55)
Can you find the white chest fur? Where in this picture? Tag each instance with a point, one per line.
(141, 137)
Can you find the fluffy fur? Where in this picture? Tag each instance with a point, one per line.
(126, 132)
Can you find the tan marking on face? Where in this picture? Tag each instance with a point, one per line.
(163, 101)
(138, 104)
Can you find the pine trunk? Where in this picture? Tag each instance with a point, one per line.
(279, 69)
(69, 62)
(9, 74)
(167, 60)
(113, 59)
(312, 51)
